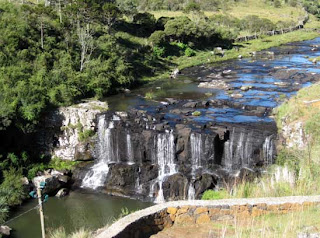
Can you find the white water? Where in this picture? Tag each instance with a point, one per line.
(196, 151)
(96, 176)
(129, 150)
(228, 151)
(268, 149)
(241, 154)
(196, 155)
(165, 154)
(191, 192)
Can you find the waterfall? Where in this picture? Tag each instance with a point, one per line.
(97, 174)
(165, 154)
(268, 150)
(196, 151)
(228, 151)
(196, 155)
(129, 150)
(191, 192)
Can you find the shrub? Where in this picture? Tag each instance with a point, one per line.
(192, 7)
(85, 135)
(215, 195)
(11, 188)
(4, 210)
(157, 38)
(159, 51)
(149, 95)
(189, 52)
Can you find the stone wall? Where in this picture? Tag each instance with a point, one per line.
(150, 221)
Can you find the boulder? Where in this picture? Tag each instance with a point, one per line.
(52, 184)
(62, 193)
(5, 230)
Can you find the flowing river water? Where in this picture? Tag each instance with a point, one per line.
(93, 210)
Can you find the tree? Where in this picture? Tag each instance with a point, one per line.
(192, 7)
(110, 14)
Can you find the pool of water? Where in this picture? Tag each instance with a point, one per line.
(88, 210)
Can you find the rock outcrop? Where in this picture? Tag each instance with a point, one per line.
(66, 131)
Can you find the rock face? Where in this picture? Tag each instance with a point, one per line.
(293, 134)
(66, 131)
(141, 155)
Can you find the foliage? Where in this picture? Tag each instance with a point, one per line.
(86, 134)
(11, 189)
(150, 95)
(215, 195)
(4, 210)
(192, 7)
(158, 38)
(159, 51)
(189, 52)
(61, 233)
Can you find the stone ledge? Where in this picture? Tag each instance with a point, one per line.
(151, 220)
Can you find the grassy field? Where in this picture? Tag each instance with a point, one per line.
(241, 10)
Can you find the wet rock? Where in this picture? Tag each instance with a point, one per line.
(236, 95)
(172, 100)
(218, 84)
(282, 84)
(62, 193)
(190, 105)
(174, 187)
(52, 184)
(246, 88)
(203, 183)
(5, 230)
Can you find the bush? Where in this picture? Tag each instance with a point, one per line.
(157, 38)
(192, 7)
(189, 52)
(4, 210)
(215, 195)
(85, 135)
(159, 51)
(11, 188)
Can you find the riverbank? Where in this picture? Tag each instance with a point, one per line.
(243, 49)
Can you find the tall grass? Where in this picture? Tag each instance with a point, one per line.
(61, 233)
(273, 225)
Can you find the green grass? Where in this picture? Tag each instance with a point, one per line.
(241, 10)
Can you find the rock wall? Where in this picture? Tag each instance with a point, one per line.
(150, 221)
(60, 135)
(293, 134)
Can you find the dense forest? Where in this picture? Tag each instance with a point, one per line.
(59, 52)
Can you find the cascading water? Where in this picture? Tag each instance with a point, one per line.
(165, 154)
(196, 155)
(129, 150)
(97, 175)
(268, 150)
